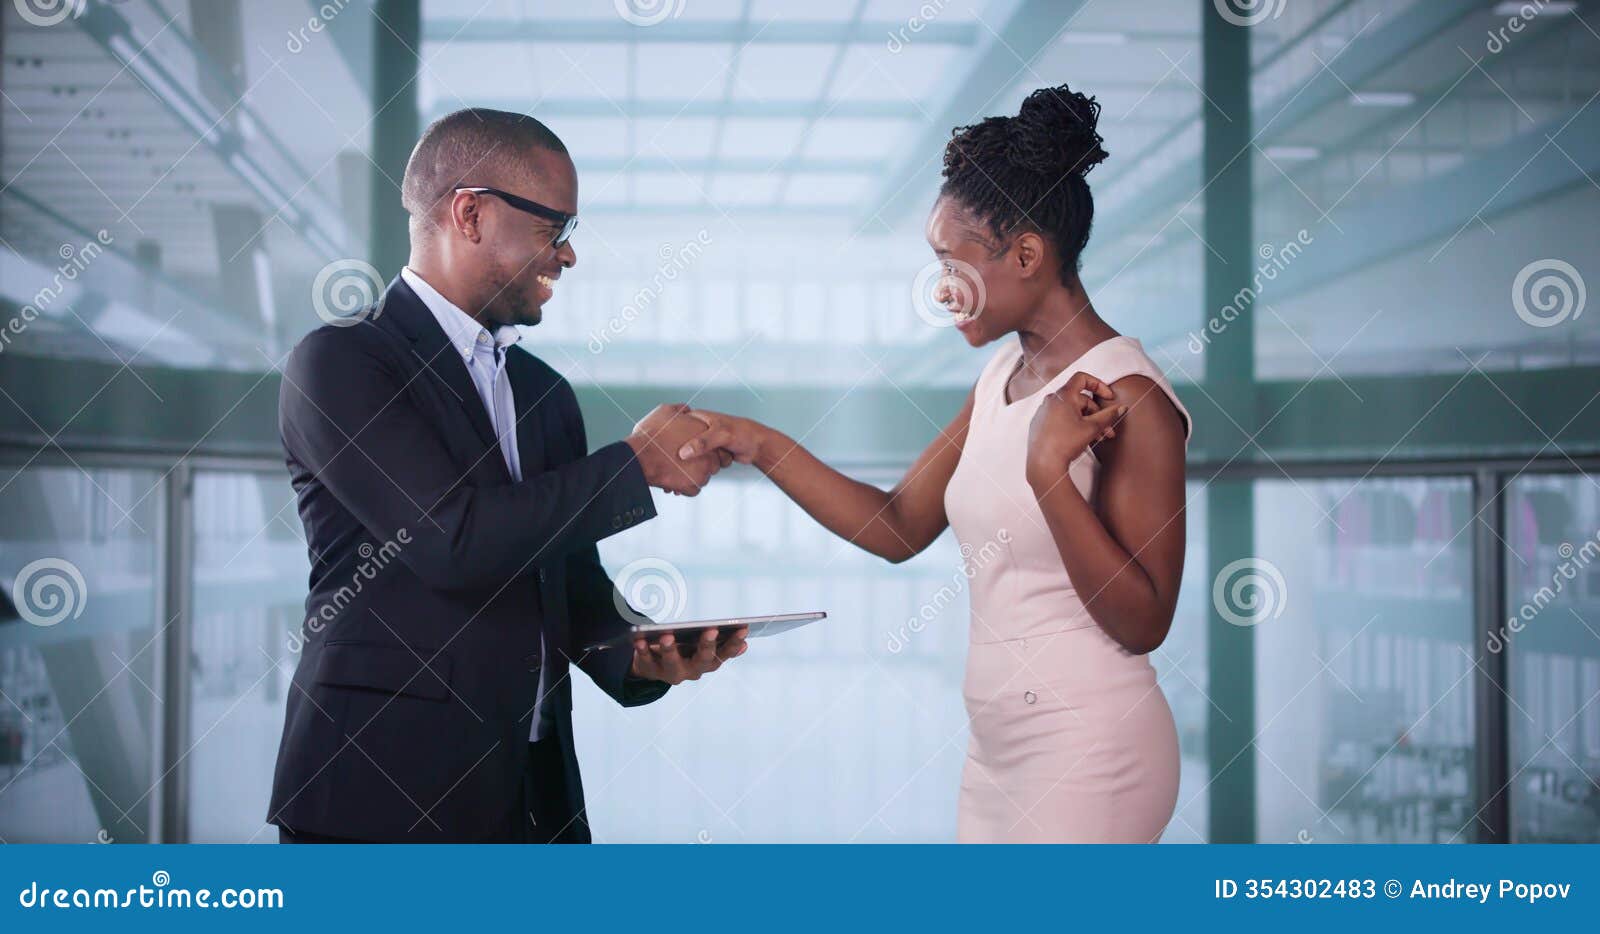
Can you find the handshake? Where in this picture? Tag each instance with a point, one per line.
(680, 448)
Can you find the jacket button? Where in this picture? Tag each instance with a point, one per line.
(1029, 697)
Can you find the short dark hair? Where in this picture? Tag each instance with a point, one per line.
(1027, 172)
(472, 146)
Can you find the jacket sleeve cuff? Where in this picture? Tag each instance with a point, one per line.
(639, 691)
(628, 502)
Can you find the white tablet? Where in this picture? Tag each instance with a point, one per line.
(688, 632)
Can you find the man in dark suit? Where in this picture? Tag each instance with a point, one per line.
(451, 507)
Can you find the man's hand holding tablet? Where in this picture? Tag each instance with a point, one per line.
(665, 658)
(678, 652)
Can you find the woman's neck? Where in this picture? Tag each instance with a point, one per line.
(1061, 329)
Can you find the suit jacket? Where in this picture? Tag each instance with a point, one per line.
(433, 575)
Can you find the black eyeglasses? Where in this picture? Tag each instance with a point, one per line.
(567, 222)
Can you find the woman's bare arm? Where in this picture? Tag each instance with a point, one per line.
(893, 524)
(1124, 552)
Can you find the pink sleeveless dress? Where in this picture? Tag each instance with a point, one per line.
(1072, 740)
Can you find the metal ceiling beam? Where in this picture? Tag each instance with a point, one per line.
(679, 31)
(776, 209)
(1539, 163)
(109, 29)
(669, 109)
(202, 322)
(1024, 29)
(761, 166)
(1530, 45)
(1124, 165)
(1367, 56)
(1446, 415)
(1374, 51)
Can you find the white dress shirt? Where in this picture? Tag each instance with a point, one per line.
(485, 357)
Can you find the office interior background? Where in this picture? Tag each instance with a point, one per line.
(1355, 233)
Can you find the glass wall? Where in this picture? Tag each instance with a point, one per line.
(80, 653)
(250, 574)
(851, 729)
(1181, 669)
(1363, 621)
(1552, 632)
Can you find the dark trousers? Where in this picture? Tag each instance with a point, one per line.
(540, 815)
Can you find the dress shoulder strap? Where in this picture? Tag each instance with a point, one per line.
(1125, 356)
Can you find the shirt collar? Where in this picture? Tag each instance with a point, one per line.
(461, 328)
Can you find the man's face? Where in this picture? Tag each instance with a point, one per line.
(520, 264)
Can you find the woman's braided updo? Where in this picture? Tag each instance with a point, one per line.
(1027, 172)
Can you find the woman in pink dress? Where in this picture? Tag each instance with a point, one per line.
(1067, 464)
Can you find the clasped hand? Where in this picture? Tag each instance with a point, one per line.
(657, 440)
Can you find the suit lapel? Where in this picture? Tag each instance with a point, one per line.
(436, 354)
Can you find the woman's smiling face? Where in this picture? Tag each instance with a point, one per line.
(982, 291)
